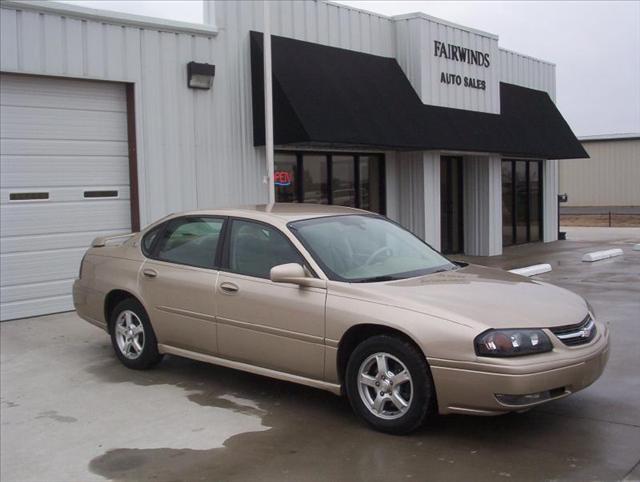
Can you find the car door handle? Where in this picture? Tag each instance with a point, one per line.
(229, 288)
(150, 273)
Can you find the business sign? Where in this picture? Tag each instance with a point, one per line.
(466, 55)
(282, 178)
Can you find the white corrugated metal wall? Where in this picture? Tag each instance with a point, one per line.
(195, 147)
(415, 36)
(611, 177)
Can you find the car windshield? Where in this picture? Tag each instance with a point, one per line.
(363, 248)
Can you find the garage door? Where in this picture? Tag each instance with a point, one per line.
(64, 179)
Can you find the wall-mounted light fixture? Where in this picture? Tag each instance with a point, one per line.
(200, 76)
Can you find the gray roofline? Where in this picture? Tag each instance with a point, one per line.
(111, 17)
(536, 59)
(610, 137)
(424, 16)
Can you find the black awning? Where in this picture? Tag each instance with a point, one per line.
(337, 97)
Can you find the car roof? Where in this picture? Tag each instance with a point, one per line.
(281, 212)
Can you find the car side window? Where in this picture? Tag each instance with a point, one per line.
(149, 238)
(191, 240)
(255, 248)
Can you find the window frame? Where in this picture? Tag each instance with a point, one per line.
(299, 178)
(224, 264)
(153, 253)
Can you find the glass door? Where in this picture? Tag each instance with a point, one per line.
(521, 201)
(451, 224)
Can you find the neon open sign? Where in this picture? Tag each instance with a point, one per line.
(282, 178)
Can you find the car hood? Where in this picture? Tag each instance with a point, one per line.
(479, 297)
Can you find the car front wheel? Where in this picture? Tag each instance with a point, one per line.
(132, 336)
(389, 385)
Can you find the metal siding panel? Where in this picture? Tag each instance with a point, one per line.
(115, 51)
(609, 178)
(185, 123)
(527, 72)
(323, 23)
(54, 53)
(95, 50)
(75, 55)
(334, 25)
(311, 15)
(152, 128)
(550, 200)
(354, 30)
(8, 43)
(31, 57)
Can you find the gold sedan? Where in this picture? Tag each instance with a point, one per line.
(342, 300)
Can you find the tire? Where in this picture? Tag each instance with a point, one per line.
(387, 413)
(132, 336)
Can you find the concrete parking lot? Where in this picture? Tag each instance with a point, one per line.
(71, 412)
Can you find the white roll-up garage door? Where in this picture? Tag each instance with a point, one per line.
(64, 180)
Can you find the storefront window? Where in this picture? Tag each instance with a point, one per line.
(343, 185)
(369, 183)
(535, 201)
(355, 180)
(284, 177)
(521, 201)
(507, 203)
(314, 178)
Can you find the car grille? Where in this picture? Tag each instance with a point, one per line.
(578, 334)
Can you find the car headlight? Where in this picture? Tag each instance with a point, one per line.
(505, 343)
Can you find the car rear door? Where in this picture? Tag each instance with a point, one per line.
(178, 281)
(273, 325)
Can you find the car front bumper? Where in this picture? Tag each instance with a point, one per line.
(471, 388)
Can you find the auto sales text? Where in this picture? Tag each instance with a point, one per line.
(455, 79)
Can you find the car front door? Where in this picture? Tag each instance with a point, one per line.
(178, 282)
(273, 325)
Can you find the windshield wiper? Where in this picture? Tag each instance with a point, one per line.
(375, 279)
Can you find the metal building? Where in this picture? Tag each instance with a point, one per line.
(610, 178)
(428, 122)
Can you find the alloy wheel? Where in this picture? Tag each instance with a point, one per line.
(385, 386)
(129, 332)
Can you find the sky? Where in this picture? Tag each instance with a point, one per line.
(594, 44)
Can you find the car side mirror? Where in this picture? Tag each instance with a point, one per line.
(294, 273)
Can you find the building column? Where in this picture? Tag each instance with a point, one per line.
(549, 200)
(419, 194)
(482, 213)
(432, 210)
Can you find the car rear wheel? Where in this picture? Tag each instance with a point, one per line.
(132, 336)
(389, 385)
